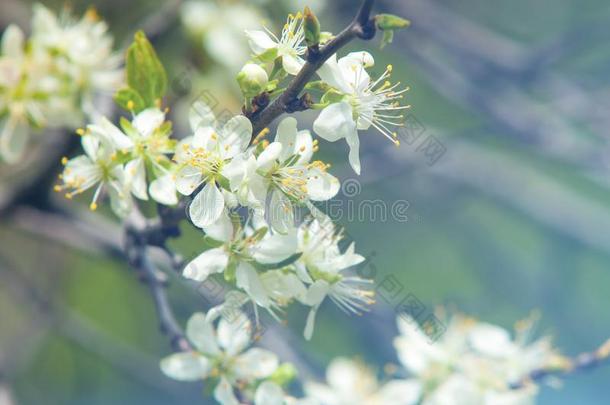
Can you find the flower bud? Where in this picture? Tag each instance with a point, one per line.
(284, 374)
(312, 28)
(391, 22)
(252, 80)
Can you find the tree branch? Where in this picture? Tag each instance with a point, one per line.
(138, 235)
(362, 27)
(582, 362)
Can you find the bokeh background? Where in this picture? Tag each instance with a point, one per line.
(512, 217)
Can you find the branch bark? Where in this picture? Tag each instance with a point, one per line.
(363, 27)
(139, 234)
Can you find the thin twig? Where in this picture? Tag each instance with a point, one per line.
(582, 362)
(362, 27)
(138, 235)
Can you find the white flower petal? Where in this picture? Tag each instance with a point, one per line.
(135, 172)
(185, 366)
(287, 135)
(188, 179)
(248, 280)
(111, 134)
(222, 229)
(234, 330)
(335, 122)
(354, 151)
(400, 392)
(148, 120)
(207, 206)
(201, 333)
(322, 186)
(236, 136)
(224, 394)
(280, 212)
(163, 190)
(269, 393)
(201, 115)
(333, 75)
(256, 363)
(292, 64)
(209, 262)
(260, 41)
(491, 340)
(12, 42)
(275, 248)
(268, 156)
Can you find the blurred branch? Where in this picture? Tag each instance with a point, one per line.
(362, 27)
(580, 363)
(76, 328)
(459, 57)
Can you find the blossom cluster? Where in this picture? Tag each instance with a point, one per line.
(50, 78)
(473, 363)
(243, 188)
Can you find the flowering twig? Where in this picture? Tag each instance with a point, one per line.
(362, 27)
(582, 362)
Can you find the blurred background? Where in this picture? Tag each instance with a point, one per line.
(504, 164)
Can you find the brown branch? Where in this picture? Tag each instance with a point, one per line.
(363, 27)
(582, 362)
(139, 234)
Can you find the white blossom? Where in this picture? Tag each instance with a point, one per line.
(289, 46)
(321, 265)
(472, 362)
(363, 103)
(202, 158)
(351, 383)
(97, 169)
(221, 354)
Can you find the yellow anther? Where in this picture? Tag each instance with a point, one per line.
(397, 143)
(265, 143)
(64, 160)
(93, 206)
(130, 105)
(158, 103)
(80, 132)
(57, 188)
(302, 148)
(91, 14)
(390, 68)
(68, 196)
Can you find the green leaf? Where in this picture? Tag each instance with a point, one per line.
(145, 73)
(388, 37)
(130, 100)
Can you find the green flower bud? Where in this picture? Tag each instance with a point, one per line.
(284, 374)
(391, 22)
(312, 28)
(252, 80)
